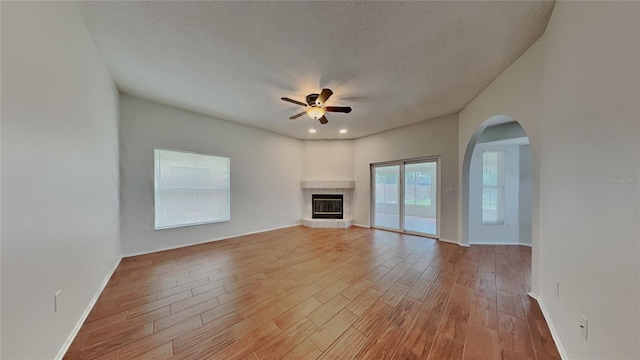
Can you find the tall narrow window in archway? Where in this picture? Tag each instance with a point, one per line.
(493, 187)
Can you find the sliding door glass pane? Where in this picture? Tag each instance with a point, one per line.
(420, 197)
(387, 196)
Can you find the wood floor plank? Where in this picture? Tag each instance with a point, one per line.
(385, 282)
(118, 328)
(369, 322)
(331, 291)
(102, 323)
(286, 341)
(394, 294)
(109, 356)
(543, 342)
(484, 312)
(301, 293)
(419, 339)
(325, 312)
(194, 300)
(364, 301)
(404, 313)
(143, 309)
(513, 334)
(445, 349)
(454, 323)
(383, 343)
(355, 289)
(148, 343)
(346, 347)
(461, 296)
(435, 302)
(508, 354)
(305, 350)
(486, 289)
(419, 289)
(180, 288)
(249, 343)
(112, 343)
(482, 343)
(297, 313)
(162, 352)
(332, 329)
(181, 316)
(510, 304)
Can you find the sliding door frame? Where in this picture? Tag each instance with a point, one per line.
(401, 199)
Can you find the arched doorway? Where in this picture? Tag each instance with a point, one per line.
(497, 190)
(497, 200)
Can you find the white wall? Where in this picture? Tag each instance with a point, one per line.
(432, 137)
(525, 196)
(509, 231)
(576, 94)
(589, 225)
(60, 220)
(327, 159)
(265, 174)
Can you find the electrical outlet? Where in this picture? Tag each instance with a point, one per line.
(57, 297)
(558, 289)
(584, 327)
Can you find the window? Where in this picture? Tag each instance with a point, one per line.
(493, 187)
(190, 189)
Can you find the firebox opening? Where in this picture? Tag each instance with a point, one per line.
(327, 206)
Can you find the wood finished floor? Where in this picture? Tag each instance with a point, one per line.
(301, 293)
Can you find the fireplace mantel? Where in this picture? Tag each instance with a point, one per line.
(327, 184)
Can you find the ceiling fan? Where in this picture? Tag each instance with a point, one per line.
(315, 108)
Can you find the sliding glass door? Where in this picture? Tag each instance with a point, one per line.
(405, 196)
(421, 197)
(387, 197)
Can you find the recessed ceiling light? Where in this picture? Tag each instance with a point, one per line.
(312, 131)
(343, 131)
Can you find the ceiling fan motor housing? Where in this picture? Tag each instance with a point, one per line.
(311, 99)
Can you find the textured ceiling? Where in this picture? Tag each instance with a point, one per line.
(394, 63)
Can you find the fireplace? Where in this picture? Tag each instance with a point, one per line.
(327, 206)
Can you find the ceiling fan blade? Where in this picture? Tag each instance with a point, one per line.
(340, 109)
(293, 101)
(324, 96)
(323, 120)
(297, 115)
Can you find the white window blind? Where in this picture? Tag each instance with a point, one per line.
(493, 187)
(190, 189)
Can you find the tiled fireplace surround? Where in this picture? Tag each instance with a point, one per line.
(344, 187)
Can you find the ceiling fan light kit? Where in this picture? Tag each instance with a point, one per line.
(315, 112)
(315, 106)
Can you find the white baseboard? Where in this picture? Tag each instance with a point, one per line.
(499, 243)
(554, 333)
(453, 242)
(86, 312)
(362, 226)
(137, 253)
